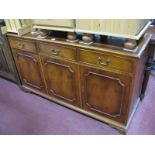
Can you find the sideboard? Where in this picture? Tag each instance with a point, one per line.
(98, 80)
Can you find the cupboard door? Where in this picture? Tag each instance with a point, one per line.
(105, 93)
(29, 69)
(61, 79)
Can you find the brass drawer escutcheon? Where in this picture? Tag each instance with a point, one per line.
(106, 63)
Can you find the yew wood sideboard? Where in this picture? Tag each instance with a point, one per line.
(98, 80)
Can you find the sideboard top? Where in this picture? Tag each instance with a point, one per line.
(118, 50)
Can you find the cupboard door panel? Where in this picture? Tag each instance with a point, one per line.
(105, 93)
(61, 79)
(29, 69)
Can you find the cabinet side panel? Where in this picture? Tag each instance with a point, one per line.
(138, 79)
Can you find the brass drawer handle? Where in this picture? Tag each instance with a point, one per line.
(106, 63)
(20, 45)
(55, 51)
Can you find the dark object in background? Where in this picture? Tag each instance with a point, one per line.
(2, 23)
(153, 22)
(7, 65)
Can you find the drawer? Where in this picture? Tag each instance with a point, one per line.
(57, 50)
(105, 60)
(24, 45)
